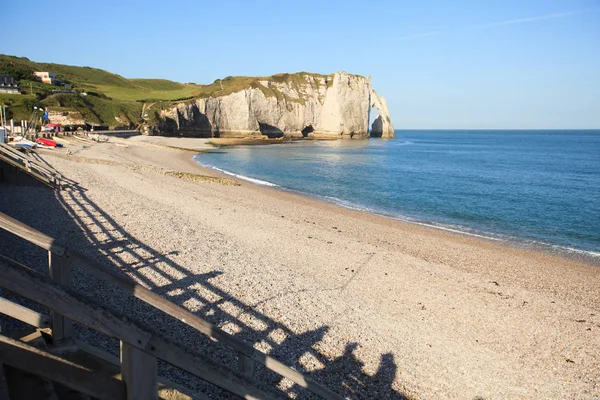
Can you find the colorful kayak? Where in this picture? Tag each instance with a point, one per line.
(48, 142)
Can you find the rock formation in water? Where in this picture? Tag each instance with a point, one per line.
(382, 125)
(290, 105)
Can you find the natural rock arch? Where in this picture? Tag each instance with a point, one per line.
(382, 124)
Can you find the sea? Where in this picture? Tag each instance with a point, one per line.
(531, 188)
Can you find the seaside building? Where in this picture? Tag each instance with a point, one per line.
(8, 85)
(47, 77)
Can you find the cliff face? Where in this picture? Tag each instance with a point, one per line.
(299, 105)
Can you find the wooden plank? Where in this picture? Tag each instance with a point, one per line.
(43, 290)
(32, 235)
(207, 370)
(24, 314)
(27, 358)
(245, 365)
(3, 384)
(60, 272)
(174, 390)
(36, 175)
(44, 388)
(20, 160)
(11, 151)
(138, 371)
(23, 385)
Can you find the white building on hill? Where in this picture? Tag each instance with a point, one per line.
(47, 77)
(8, 85)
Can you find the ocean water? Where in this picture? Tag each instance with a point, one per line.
(536, 188)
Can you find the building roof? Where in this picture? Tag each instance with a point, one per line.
(7, 80)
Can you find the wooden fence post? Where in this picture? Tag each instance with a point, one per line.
(60, 272)
(245, 365)
(139, 372)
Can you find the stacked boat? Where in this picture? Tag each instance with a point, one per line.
(23, 144)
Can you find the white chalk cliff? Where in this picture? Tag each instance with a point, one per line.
(297, 105)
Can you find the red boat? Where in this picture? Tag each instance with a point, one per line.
(48, 142)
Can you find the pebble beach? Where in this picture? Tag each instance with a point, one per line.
(372, 307)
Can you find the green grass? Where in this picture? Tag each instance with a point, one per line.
(158, 84)
(96, 109)
(19, 107)
(232, 84)
(145, 92)
(116, 96)
(97, 80)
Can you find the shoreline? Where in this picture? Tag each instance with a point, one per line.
(518, 248)
(574, 254)
(406, 310)
(191, 145)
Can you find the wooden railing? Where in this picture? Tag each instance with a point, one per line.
(140, 347)
(38, 170)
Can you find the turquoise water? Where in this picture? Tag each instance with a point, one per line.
(534, 187)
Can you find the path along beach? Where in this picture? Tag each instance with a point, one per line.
(371, 307)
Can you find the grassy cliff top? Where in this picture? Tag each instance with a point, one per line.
(120, 88)
(123, 97)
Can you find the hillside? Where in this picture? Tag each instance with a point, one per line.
(112, 99)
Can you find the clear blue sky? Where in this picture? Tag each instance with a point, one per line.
(440, 64)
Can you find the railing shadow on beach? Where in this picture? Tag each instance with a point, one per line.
(74, 219)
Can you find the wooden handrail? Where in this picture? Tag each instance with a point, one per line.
(22, 356)
(45, 180)
(24, 314)
(43, 290)
(31, 235)
(7, 150)
(107, 274)
(35, 168)
(4, 148)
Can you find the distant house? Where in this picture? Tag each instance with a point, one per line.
(8, 85)
(56, 127)
(47, 77)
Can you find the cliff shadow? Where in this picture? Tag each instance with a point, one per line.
(196, 124)
(75, 220)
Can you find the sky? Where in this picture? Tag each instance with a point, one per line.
(510, 64)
